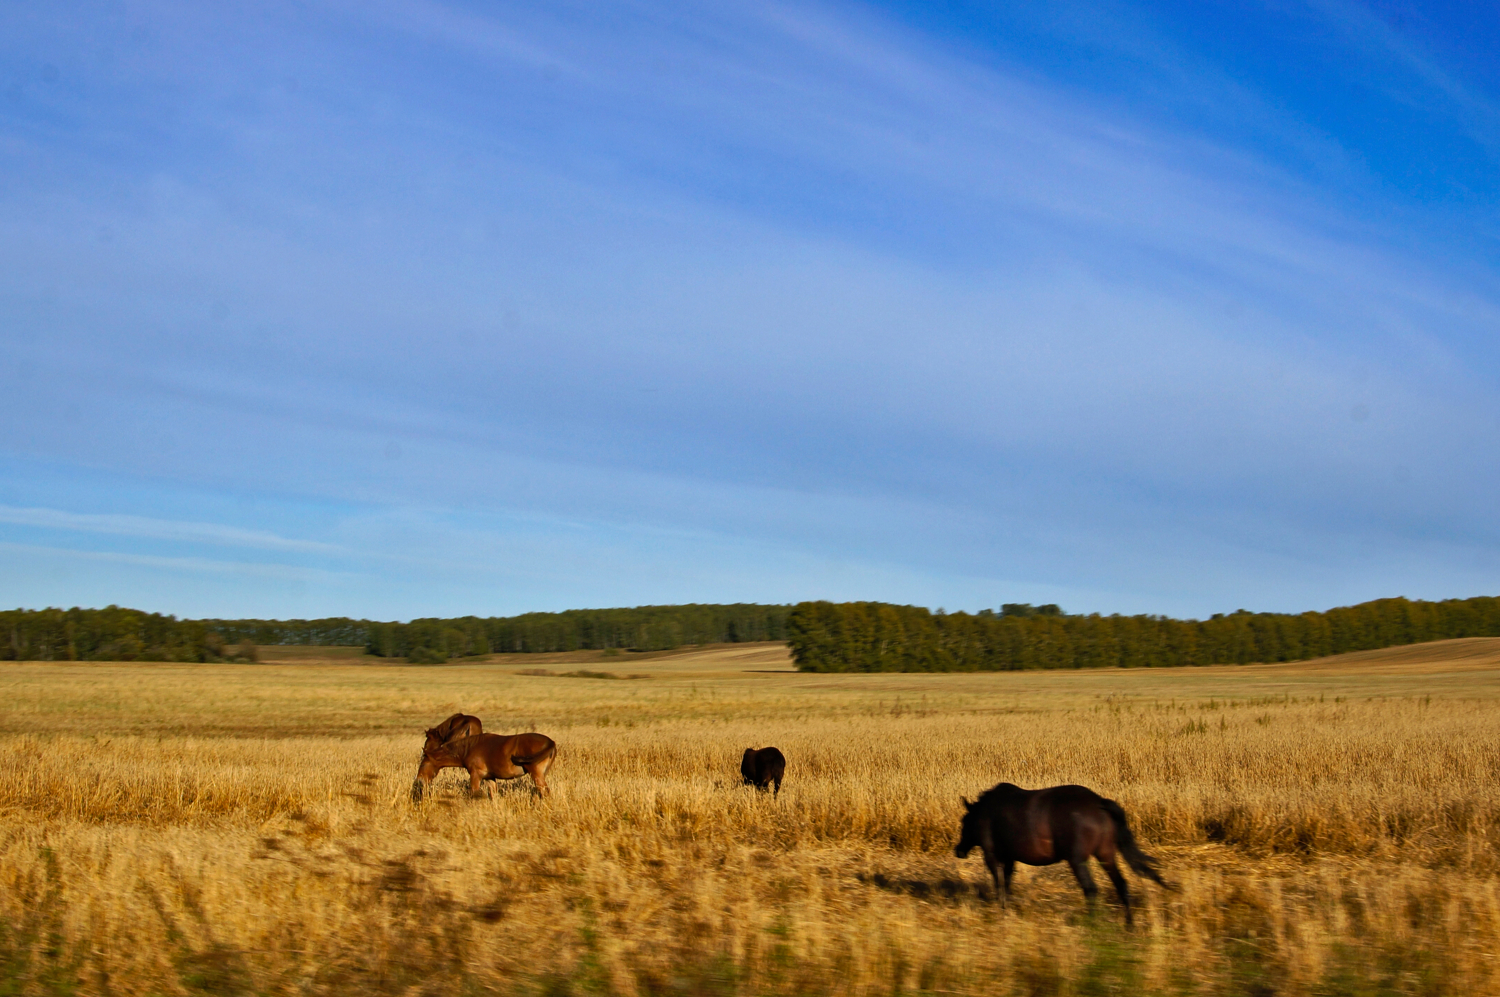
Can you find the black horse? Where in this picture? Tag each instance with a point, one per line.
(1043, 826)
(762, 768)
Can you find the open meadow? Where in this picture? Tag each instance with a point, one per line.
(1333, 827)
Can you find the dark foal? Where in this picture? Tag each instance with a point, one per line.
(1042, 826)
(763, 768)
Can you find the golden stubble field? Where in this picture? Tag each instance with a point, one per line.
(1333, 827)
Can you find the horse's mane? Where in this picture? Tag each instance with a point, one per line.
(995, 792)
(444, 731)
(455, 747)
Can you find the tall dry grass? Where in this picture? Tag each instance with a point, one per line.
(155, 838)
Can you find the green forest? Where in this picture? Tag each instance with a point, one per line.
(110, 634)
(642, 628)
(823, 636)
(880, 637)
(116, 634)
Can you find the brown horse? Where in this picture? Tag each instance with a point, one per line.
(489, 757)
(762, 768)
(1043, 826)
(457, 726)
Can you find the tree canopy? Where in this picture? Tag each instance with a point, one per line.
(881, 637)
(115, 634)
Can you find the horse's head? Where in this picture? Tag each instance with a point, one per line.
(968, 835)
(441, 754)
(435, 758)
(434, 740)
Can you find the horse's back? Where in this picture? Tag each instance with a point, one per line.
(1069, 796)
(1008, 796)
(487, 741)
(1052, 804)
(530, 746)
(503, 750)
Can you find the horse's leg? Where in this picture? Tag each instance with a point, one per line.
(993, 865)
(778, 787)
(544, 766)
(539, 778)
(1003, 896)
(476, 782)
(1009, 869)
(426, 772)
(987, 846)
(1121, 890)
(1080, 864)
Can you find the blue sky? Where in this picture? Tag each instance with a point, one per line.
(404, 309)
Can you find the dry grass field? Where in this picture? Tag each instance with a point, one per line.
(1333, 827)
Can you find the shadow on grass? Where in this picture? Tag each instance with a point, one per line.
(942, 888)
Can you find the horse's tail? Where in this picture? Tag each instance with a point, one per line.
(1138, 860)
(540, 756)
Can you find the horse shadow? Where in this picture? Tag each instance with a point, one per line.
(500, 789)
(455, 792)
(941, 888)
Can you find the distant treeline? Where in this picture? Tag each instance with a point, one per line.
(335, 631)
(824, 636)
(115, 634)
(880, 637)
(110, 634)
(643, 628)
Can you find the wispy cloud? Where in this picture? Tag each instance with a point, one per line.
(1477, 112)
(185, 565)
(144, 527)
